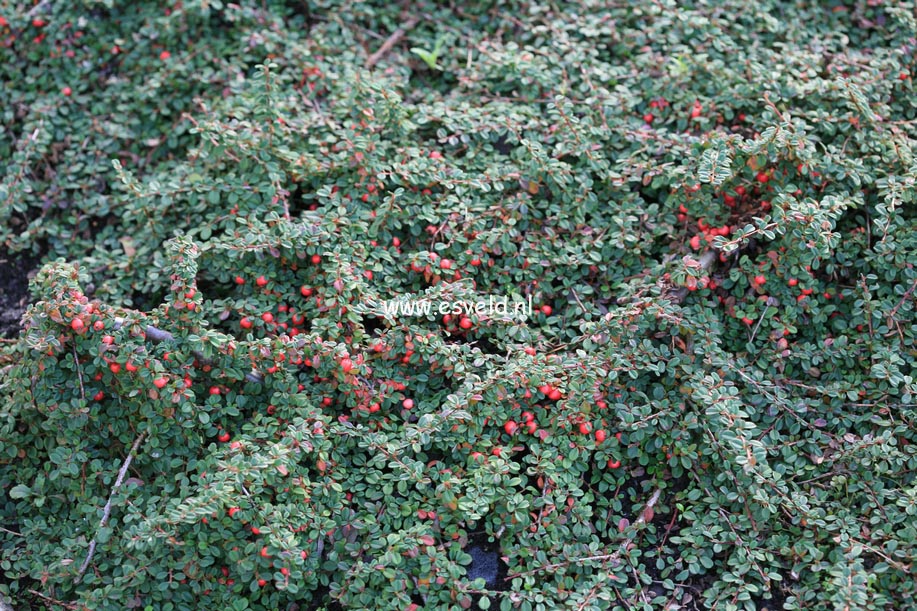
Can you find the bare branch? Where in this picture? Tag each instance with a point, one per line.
(53, 601)
(79, 373)
(157, 335)
(645, 515)
(106, 512)
(391, 41)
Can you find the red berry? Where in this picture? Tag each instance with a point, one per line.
(475, 262)
(245, 323)
(648, 117)
(115, 368)
(262, 583)
(445, 264)
(214, 390)
(465, 323)
(511, 427)
(165, 55)
(267, 317)
(585, 428)
(285, 571)
(261, 281)
(316, 259)
(99, 396)
(305, 291)
(77, 324)
(346, 365)
(256, 530)
(792, 282)
(160, 382)
(408, 403)
(613, 464)
(760, 280)
(554, 395)
(695, 242)
(747, 320)
(762, 177)
(264, 553)
(223, 437)
(240, 280)
(696, 110)
(600, 436)
(232, 511)
(67, 91)
(546, 310)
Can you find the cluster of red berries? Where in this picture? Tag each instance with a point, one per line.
(457, 323)
(661, 103)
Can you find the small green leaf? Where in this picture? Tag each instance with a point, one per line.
(20, 491)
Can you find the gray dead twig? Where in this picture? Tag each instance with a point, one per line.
(106, 512)
(391, 41)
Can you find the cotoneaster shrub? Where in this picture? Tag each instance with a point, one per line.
(710, 205)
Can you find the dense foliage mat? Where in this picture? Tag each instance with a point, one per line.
(213, 404)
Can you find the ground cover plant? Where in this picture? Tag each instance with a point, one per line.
(210, 404)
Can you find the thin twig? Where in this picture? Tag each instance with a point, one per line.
(576, 297)
(615, 556)
(54, 601)
(106, 512)
(904, 297)
(391, 41)
(757, 326)
(157, 335)
(79, 372)
(37, 8)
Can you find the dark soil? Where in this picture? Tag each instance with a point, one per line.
(486, 564)
(15, 271)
